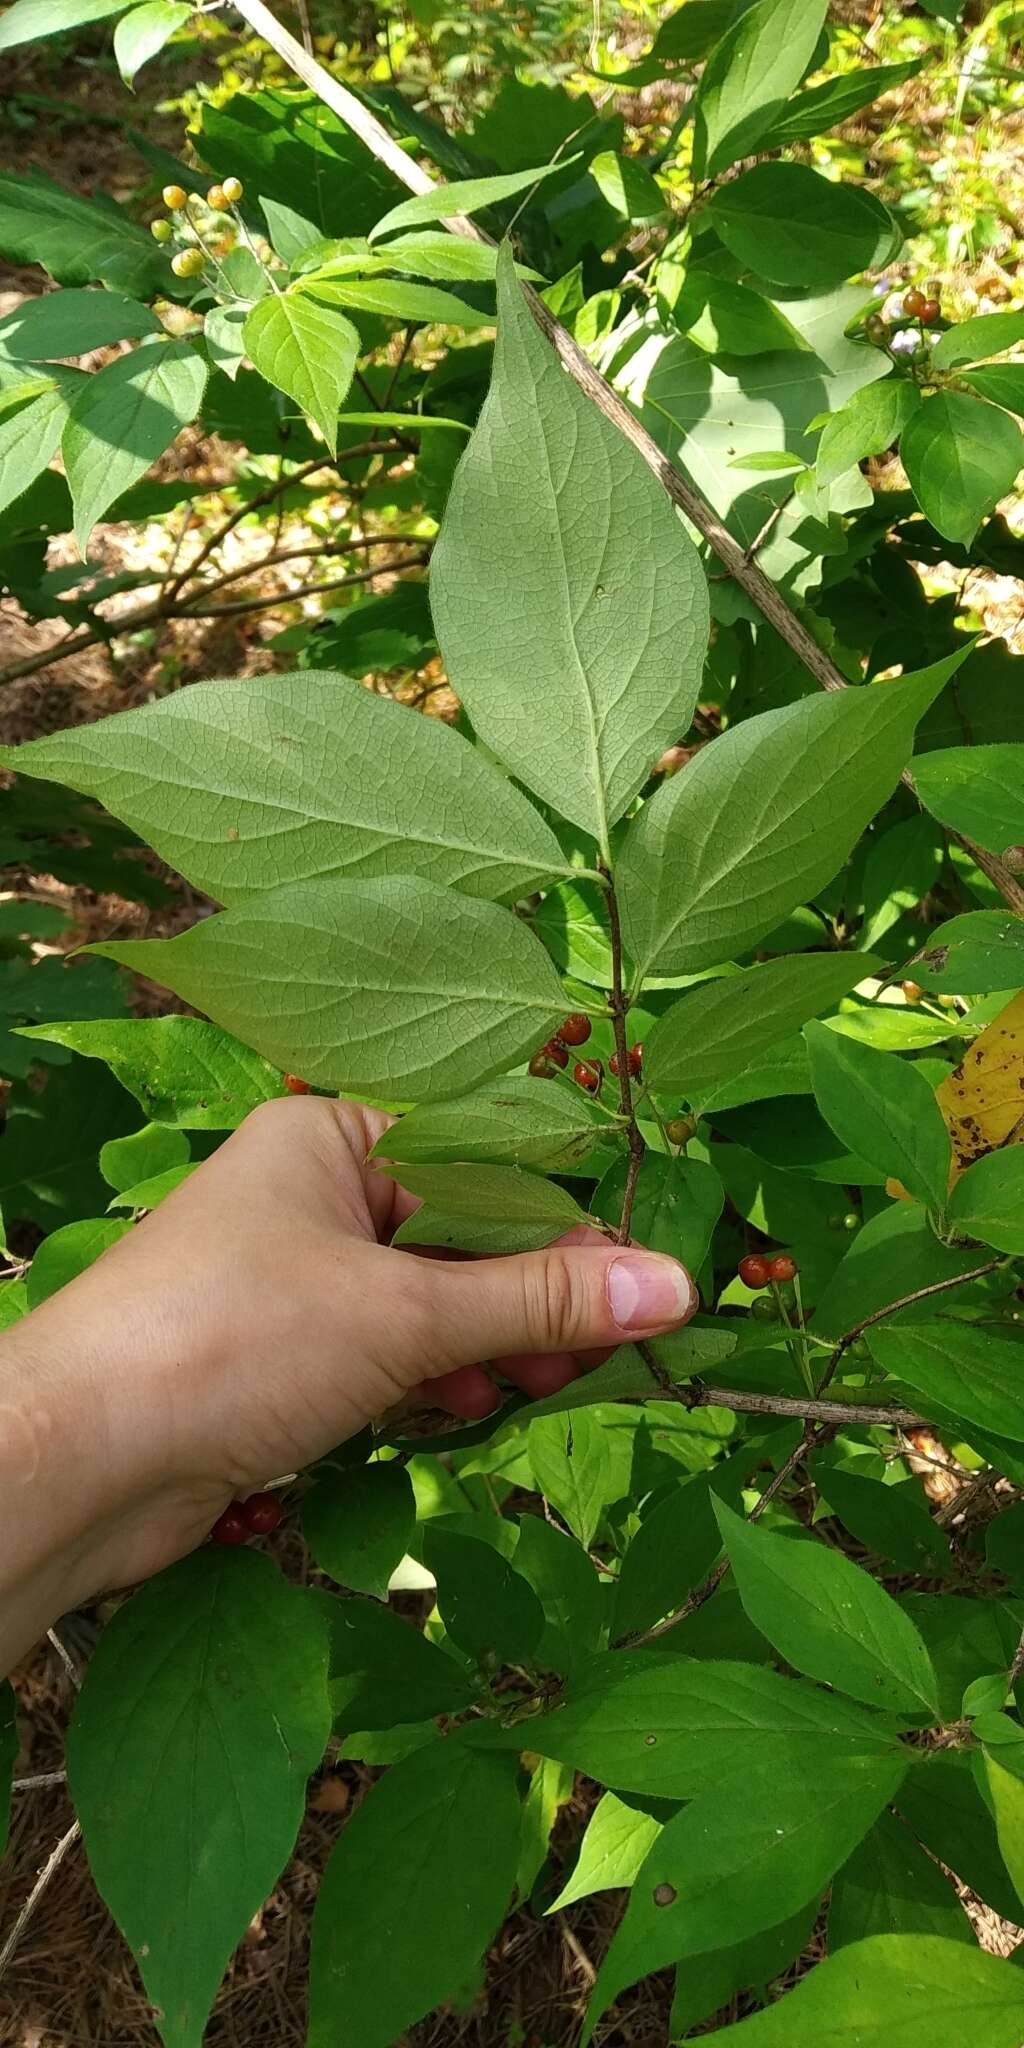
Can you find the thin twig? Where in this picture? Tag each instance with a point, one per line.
(41, 1782)
(358, 545)
(42, 1884)
(619, 1008)
(800, 1406)
(878, 1315)
(190, 610)
(66, 1658)
(748, 575)
(1018, 1664)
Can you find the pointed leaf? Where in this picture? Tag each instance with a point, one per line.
(306, 352)
(391, 988)
(959, 1370)
(890, 1886)
(487, 1608)
(182, 1070)
(396, 300)
(914, 1989)
(465, 195)
(142, 33)
(28, 20)
(677, 1203)
(961, 456)
(384, 1673)
(749, 77)
(578, 691)
(762, 819)
(297, 777)
(29, 438)
(741, 1858)
(882, 1110)
(572, 1469)
(203, 1712)
(69, 323)
(988, 1200)
(123, 419)
(788, 224)
(720, 1028)
(484, 1209)
(515, 1122)
(973, 341)
(828, 1618)
(413, 1892)
(612, 1851)
(67, 1252)
(77, 240)
(823, 107)
(867, 424)
(977, 790)
(673, 1550)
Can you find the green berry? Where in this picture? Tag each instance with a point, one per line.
(764, 1309)
(161, 230)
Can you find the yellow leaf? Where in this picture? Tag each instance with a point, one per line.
(982, 1100)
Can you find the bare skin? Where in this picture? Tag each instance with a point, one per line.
(254, 1321)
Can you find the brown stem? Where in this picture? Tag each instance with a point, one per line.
(696, 1394)
(191, 610)
(619, 1009)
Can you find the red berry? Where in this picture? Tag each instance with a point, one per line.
(930, 312)
(635, 1058)
(753, 1270)
(262, 1513)
(231, 1527)
(555, 1050)
(782, 1267)
(587, 1074)
(576, 1029)
(914, 302)
(541, 1067)
(294, 1085)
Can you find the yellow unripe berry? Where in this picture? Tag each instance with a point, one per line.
(232, 189)
(175, 196)
(187, 263)
(161, 230)
(217, 199)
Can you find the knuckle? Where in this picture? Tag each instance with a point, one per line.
(559, 1302)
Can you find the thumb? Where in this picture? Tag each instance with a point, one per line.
(568, 1298)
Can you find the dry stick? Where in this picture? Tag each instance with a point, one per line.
(319, 549)
(40, 1781)
(191, 610)
(800, 1406)
(747, 574)
(42, 1884)
(878, 1315)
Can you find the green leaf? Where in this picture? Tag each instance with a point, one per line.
(28, 20)
(947, 1813)
(721, 1027)
(762, 819)
(988, 1200)
(568, 1589)
(983, 949)
(9, 1745)
(902, 865)
(742, 1857)
(612, 1851)
(972, 341)
(359, 1524)
(572, 1469)
(650, 1722)
(484, 1209)
(384, 1673)
(615, 628)
(203, 1712)
(729, 319)
(882, 1110)
(396, 300)
(867, 424)
(465, 195)
(291, 234)
(515, 1122)
(961, 1370)
(891, 1520)
(1005, 1792)
(77, 240)
(786, 223)
(749, 77)
(29, 438)
(823, 107)
(123, 419)
(828, 1618)
(976, 790)
(142, 34)
(686, 35)
(627, 1376)
(890, 1886)
(145, 1194)
(182, 1070)
(961, 457)
(413, 1893)
(677, 1203)
(487, 1608)
(67, 1252)
(388, 989)
(551, 1787)
(298, 777)
(894, 1987)
(48, 1170)
(446, 258)
(153, 1149)
(705, 1983)
(306, 352)
(69, 323)
(673, 1550)
(627, 186)
(1003, 383)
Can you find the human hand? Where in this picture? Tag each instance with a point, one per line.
(260, 1316)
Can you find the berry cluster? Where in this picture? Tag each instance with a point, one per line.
(759, 1268)
(887, 329)
(260, 1515)
(190, 260)
(574, 1030)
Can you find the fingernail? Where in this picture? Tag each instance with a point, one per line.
(649, 1292)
